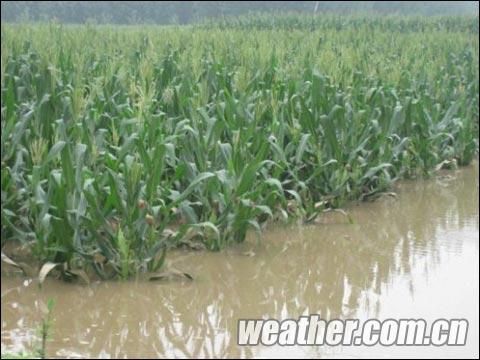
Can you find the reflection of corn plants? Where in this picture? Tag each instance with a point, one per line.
(112, 154)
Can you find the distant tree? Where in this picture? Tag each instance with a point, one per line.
(165, 12)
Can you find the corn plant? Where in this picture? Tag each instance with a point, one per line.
(120, 143)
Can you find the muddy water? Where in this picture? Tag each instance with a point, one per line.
(414, 256)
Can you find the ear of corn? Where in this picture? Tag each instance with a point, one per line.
(118, 143)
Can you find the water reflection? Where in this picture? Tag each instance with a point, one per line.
(334, 269)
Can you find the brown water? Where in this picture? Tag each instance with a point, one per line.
(414, 256)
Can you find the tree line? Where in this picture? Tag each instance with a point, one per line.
(184, 12)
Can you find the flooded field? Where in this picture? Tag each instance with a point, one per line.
(413, 256)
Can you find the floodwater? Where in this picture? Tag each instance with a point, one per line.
(410, 257)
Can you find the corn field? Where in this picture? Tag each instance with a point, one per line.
(119, 143)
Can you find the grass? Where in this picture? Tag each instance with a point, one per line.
(121, 142)
(44, 331)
